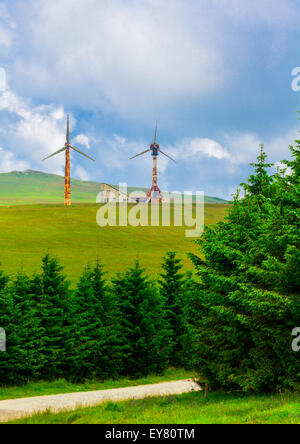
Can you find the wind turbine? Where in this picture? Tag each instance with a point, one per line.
(154, 193)
(67, 148)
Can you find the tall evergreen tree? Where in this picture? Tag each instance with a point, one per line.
(29, 358)
(259, 181)
(6, 323)
(87, 331)
(95, 338)
(247, 301)
(144, 328)
(23, 359)
(172, 289)
(55, 310)
(112, 348)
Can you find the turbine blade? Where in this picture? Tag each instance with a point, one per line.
(57, 152)
(80, 152)
(139, 154)
(68, 129)
(155, 133)
(167, 156)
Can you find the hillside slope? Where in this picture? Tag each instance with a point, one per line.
(35, 187)
(28, 232)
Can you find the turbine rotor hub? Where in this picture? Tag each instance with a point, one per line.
(155, 149)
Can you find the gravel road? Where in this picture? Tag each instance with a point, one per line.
(18, 408)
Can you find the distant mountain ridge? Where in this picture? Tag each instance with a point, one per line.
(35, 187)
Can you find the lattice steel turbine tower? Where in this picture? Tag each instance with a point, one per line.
(68, 146)
(154, 193)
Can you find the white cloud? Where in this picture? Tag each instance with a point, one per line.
(2, 79)
(201, 147)
(82, 139)
(127, 57)
(244, 146)
(81, 173)
(33, 132)
(7, 26)
(260, 12)
(135, 57)
(9, 163)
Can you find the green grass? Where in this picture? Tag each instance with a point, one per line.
(61, 386)
(72, 234)
(189, 408)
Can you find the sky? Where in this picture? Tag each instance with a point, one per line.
(220, 77)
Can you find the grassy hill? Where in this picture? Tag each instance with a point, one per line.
(27, 232)
(33, 220)
(35, 187)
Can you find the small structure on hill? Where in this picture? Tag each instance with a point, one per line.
(111, 194)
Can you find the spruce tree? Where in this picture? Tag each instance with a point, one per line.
(145, 331)
(86, 337)
(94, 338)
(112, 347)
(29, 358)
(259, 181)
(55, 310)
(172, 290)
(246, 303)
(20, 317)
(6, 323)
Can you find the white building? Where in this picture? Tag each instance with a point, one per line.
(110, 194)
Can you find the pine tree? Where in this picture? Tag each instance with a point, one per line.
(55, 310)
(3, 280)
(23, 360)
(112, 347)
(172, 290)
(6, 323)
(95, 339)
(145, 331)
(87, 332)
(247, 300)
(258, 182)
(29, 359)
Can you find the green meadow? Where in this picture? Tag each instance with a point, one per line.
(34, 221)
(72, 234)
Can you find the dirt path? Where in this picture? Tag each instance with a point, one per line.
(18, 408)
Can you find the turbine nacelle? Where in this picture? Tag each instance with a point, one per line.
(155, 148)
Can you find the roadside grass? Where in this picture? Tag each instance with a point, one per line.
(188, 408)
(61, 386)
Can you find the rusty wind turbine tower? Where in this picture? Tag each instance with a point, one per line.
(68, 146)
(154, 193)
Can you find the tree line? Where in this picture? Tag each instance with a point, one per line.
(231, 319)
(130, 325)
